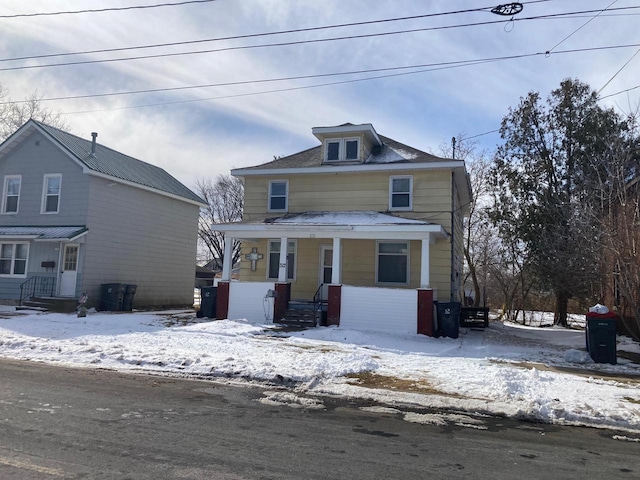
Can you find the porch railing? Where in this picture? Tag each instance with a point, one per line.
(37, 287)
(317, 304)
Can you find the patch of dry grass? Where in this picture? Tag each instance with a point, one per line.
(374, 380)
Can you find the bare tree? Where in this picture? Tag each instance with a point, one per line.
(479, 234)
(619, 221)
(14, 114)
(225, 200)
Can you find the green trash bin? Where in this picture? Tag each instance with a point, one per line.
(601, 337)
(112, 296)
(127, 299)
(208, 302)
(448, 315)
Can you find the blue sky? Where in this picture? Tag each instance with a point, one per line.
(196, 134)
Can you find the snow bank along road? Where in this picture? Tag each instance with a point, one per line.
(539, 374)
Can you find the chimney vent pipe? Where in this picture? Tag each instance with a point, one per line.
(94, 135)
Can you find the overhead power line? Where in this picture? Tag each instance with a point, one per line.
(278, 44)
(414, 68)
(100, 10)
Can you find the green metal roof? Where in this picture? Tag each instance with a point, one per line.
(44, 233)
(118, 165)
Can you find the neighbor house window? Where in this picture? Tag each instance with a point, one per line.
(51, 193)
(274, 259)
(11, 193)
(400, 193)
(278, 193)
(337, 149)
(13, 259)
(393, 263)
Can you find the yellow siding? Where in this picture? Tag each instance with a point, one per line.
(432, 202)
(353, 191)
(358, 265)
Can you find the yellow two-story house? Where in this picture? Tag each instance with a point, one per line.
(367, 229)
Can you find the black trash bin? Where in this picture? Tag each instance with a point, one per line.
(208, 302)
(448, 315)
(601, 337)
(112, 296)
(127, 299)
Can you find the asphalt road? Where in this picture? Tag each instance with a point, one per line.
(58, 422)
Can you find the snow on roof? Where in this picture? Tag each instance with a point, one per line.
(391, 155)
(344, 218)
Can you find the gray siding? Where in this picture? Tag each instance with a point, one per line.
(34, 158)
(142, 238)
(38, 252)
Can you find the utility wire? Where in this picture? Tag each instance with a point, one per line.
(616, 74)
(439, 66)
(580, 28)
(618, 93)
(100, 10)
(430, 66)
(279, 90)
(246, 47)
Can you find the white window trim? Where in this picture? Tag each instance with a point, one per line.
(5, 192)
(295, 258)
(43, 205)
(342, 149)
(286, 196)
(391, 284)
(391, 192)
(13, 261)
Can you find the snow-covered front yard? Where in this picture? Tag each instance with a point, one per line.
(543, 374)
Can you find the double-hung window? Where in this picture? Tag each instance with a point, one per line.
(274, 259)
(392, 266)
(278, 195)
(13, 259)
(401, 192)
(11, 193)
(338, 149)
(51, 193)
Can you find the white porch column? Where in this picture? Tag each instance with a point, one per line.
(226, 264)
(424, 262)
(336, 264)
(282, 265)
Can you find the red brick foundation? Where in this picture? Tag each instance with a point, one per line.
(425, 312)
(222, 301)
(333, 304)
(281, 303)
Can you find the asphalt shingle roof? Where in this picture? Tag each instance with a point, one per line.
(392, 151)
(119, 165)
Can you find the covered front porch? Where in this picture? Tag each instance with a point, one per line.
(367, 270)
(40, 262)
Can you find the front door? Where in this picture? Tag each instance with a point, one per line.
(326, 269)
(69, 273)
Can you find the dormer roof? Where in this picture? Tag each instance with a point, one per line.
(348, 129)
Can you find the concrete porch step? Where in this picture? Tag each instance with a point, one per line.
(295, 317)
(52, 304)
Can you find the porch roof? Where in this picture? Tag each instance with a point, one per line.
(66, 233)
(345, 224)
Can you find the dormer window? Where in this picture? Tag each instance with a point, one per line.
(333, 150)
(340, 149)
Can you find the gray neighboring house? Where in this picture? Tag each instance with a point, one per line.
(75, 214)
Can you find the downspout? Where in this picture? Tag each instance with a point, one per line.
(453, 237)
